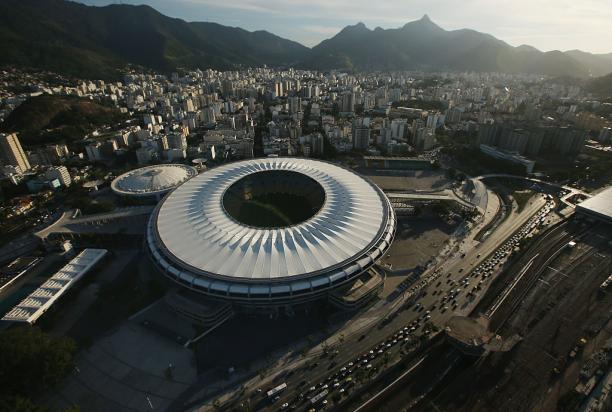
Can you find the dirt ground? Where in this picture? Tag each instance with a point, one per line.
(417, 240)
(408, 180)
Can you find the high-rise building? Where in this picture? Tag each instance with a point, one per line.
(12, 152)
(294, 104)
(347, 102)
(177, 141)
(94, 152)
(208, 114)
(399, 127)
(435, 120)
(605, 135)
(453, 115)
(361, 137)
(227, 88)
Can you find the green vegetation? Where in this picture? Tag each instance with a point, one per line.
(71, 38)
(274, 210)
(32, 362)
(50, 119)
(422, 44)
(601, 85)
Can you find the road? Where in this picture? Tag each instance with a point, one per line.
(316, 366)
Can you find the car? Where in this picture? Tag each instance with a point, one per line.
(284, 405)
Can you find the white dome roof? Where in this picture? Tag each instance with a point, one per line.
(192, 229)
(151, 180)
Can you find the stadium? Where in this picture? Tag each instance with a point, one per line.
(271, 232)
(151, 183)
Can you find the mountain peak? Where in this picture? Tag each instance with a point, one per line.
(423, 22)
(358, 27)
(355, 28)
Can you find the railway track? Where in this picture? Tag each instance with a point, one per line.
(529, 269)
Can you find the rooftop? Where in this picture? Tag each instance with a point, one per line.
(600, 204)
(152, 180)
(37, 303)
(344, 215)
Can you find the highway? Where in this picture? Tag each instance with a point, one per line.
(442, 292)
(517, 280)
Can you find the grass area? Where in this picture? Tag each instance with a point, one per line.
(274, 210)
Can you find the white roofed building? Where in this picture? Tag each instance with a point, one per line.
(152, 182)
(271, 231)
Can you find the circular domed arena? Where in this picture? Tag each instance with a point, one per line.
(271, 231)
(150, 183)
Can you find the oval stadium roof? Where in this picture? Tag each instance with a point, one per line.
(152, 180)
(194, 232)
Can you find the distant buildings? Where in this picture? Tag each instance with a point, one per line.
(533, 141)
(60, 173)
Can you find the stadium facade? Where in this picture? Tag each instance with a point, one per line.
(271, 232)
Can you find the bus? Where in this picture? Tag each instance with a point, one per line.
(276, 390)
(318, 397)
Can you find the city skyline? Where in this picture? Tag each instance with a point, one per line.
(545, 24)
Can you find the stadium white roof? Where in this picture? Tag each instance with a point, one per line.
(37, 303)
(196, 233)
(599, 205)
(152, 180)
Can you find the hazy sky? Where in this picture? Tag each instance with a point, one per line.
(545, 24)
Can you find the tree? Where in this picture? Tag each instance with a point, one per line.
(32, 361)
(19, 404)
(450, 173)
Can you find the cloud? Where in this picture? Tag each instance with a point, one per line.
(326, 30)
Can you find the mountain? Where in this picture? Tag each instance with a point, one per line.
(601, 85)
(599, 64)
(47, 119)
(88, 41)
(422, 44)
